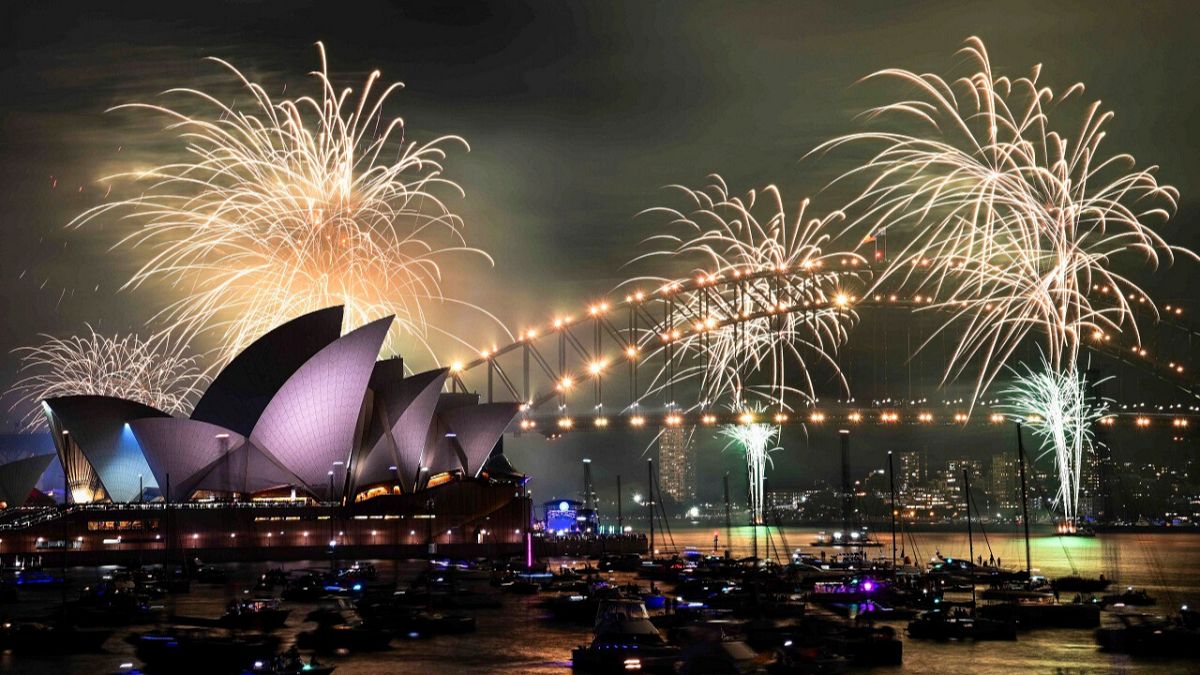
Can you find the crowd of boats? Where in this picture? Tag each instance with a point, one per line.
(690, 612)
(827, 613)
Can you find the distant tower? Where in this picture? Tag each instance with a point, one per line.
(847, 487)
(677, 464)
(589, 491)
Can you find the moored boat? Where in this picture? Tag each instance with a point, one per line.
(624, 640)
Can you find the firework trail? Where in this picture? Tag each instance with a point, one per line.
(1012, 223)
(754, 237)
(757, 441)
(154, 372)
(1061, 409)
(281, 207)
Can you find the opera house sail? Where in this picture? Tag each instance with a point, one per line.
(304, 410)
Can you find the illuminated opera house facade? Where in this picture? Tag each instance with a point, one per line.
(304, 439)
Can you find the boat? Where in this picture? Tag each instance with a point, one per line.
(958, 623)
(342, 627)
(288, 663)
(262, 614)
(1078, 584)
(1128, 598)
(793, 659)
(624, 639)
(1156, 637)
(51, 639)
(414, 622)
(718, 657)
(1069, 530)
(854, 538)
(208, 574)
(191, 650)
(1043, 612)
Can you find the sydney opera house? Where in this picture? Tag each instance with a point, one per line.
(305, 425)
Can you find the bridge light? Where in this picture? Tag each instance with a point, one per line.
(780, 417)
(1179, 422)
(456, 367)
(566, 383)
(817, 417)
(531, 333)
(855, 417)
(708, 419)
(925, 417)
(673, 420)
(638, 296)
(637, 421)
(596, 367)
(601, 422)
(961, 418)
(1108, 420)
(565, 423)
(746, 417)
(996, 418)
(631, 352)
(1142, 422)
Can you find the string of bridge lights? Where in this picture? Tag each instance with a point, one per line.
(840, 301)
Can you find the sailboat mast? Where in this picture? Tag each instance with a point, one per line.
(970, 538)
(728, 518)
(650, 501)
(620, 518)
(1024, 502)
(892, 489)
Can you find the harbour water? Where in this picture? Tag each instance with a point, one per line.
(519, 638)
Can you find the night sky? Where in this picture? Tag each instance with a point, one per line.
(577, 114)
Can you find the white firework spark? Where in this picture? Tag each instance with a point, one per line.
(1014, 224)
(1061, 409)
(757, 441)
(779, 255)
(281, 207)
(154, 372)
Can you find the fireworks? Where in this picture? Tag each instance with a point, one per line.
(153, 372)
(1012, 223)
(1061, 409)
(728, 237)
(281, 207)
(757, 440)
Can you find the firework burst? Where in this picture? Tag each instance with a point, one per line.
(281, 207)
(1014, 224)
(757, 441)
(755, 238)
(1061, 408)
(153, 372)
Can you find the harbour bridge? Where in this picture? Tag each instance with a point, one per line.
(616, 361)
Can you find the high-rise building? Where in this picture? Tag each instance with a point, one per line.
(1005, 481)
(677, 464)
(910, 471)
